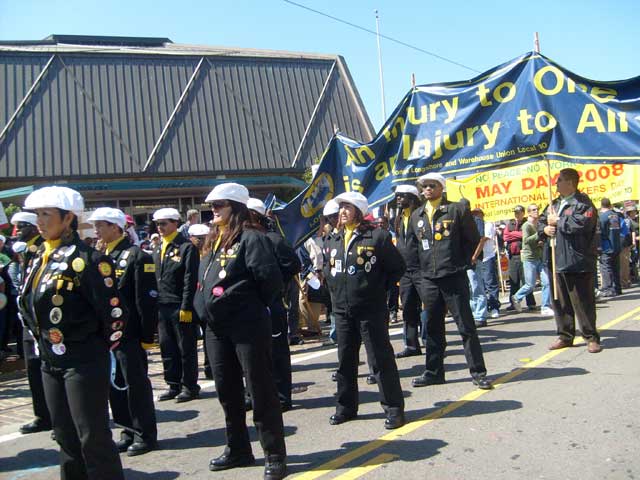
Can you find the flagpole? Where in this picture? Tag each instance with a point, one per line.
(384, 110)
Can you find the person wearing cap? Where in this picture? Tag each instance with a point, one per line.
(155, 241)
(289, 268)
(407, 200)
(330, 217)
(27, 232)
(512, 236)
(71, 304)
(446, 238)
(239, 278)
(176, 261)
(132, 408)
(363, 262)
(572, 220)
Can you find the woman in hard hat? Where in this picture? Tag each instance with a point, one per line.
(70, 302)
(363, 262)
(238, 278)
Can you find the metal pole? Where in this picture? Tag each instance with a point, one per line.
(384, 110)
(536, 42)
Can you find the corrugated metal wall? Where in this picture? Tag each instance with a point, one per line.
(100, 115)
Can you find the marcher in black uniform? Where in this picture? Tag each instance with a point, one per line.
(67, 302)
(27, 233)
(407, 200)
(198, 233)
(131, 395)
(445, 237)
(177, 262)
(289, 267)
(572, 221)
(238, 278)
(362, 264)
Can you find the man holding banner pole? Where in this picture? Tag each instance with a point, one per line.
(571, 220)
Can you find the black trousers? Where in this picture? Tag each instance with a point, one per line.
(516, 279)
(34, 375)
(451, 291)
(576, 301)
(179, 349)
(281, 355)
(233, 355)
(352, 330)
(610, 270)
(78, 402)
(411, 308)
(133, 408)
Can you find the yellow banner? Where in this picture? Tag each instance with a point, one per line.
(497, 192)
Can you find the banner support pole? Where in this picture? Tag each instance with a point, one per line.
(552, 241)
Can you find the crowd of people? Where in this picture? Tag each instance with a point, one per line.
(85, 315)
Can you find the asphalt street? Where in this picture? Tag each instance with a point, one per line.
(566, 414)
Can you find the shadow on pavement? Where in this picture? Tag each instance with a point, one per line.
(30, 460)
(542, 373)
(205, 438)
(620, 339)
(164, 475)
(163, 416)
(408, 450)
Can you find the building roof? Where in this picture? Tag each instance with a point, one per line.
(96, 107)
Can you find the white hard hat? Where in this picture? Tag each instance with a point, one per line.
(198, 230)
(229, 191)
(64, 198)
(111, 215)
(166, 214)
(257, 205)
(433, 176)
(26, 217)
(330, 208)
(407, 189)
(354, 198)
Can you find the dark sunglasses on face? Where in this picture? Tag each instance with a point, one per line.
(162, 224)
(219, 204)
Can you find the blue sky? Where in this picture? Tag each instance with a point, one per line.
(598, 40)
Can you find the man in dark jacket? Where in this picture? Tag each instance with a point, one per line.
(445, 237)
(131, 395)
(407, 200)
(611, 247)
(572, 221)
(177, 262)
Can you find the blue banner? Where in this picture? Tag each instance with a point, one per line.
(522, 111)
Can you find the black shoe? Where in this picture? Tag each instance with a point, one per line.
(409, 352)
(140, 448)
(426, 381)
(187, 396)
(275, 467)
(169, 394)
(248, 404)
(35, 427)
(53, 435)
(285, 406)
(482, 383)
(481, 323)
(124, 443)
(394, 421)
(208, 375)
(334, 377)
(296, 341)
(338, 418)
(227, 461)
(371, 380)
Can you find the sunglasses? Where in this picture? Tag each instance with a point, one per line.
(162, 224)
(432, 186)
(219, 204)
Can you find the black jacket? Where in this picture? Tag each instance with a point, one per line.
(359, 277)
(177, 274)
(285, 255)
(576, 239)
(138, 288)
(236, 285)
(407, 245)
(75, 307)
(446, 246)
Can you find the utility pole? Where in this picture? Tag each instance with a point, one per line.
(384, 110)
